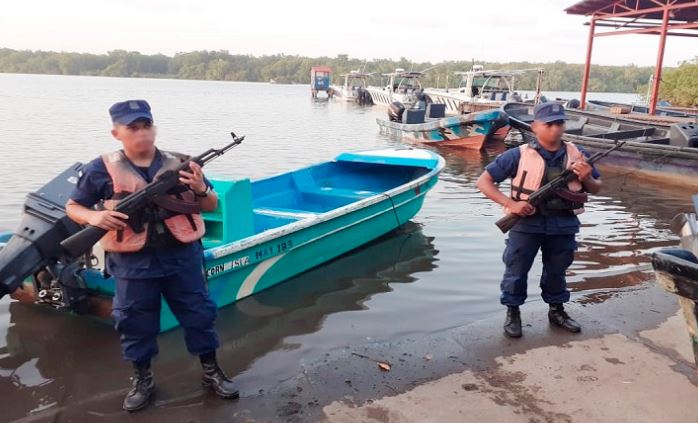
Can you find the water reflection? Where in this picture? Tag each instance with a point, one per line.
(53, 361)
(621, 228)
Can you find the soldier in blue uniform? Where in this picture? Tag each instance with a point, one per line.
(152, 263)
(550, 227)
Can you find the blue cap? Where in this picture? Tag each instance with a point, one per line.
(126, 112)
(549, 112)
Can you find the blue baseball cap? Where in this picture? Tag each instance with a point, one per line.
(126, 112)
(549, 112)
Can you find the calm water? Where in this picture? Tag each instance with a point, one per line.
(440, 271)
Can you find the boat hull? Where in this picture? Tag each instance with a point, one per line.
(471, 131)
(342, 94)
(242, 268)
(457, 103)
(384, 97)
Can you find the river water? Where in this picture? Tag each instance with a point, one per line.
(440, 271)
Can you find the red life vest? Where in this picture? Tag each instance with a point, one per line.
(531, 172)
(126, 180)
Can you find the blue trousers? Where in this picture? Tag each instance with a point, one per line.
(521, 249)
(136, 312)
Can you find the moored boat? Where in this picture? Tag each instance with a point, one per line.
(262, 233)
(660, 153)
(679, 112)
(480, 89)
(403, 86)
(353, 89)
(472, 131)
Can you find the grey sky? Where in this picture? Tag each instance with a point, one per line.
(494, 30)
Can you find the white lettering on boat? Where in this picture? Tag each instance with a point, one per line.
(231, 265)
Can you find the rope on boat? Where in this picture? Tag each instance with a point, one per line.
(397, 219)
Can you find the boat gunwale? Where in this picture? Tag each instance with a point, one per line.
(233, 247)
(445, 122)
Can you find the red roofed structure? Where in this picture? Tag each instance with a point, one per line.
(654, 17)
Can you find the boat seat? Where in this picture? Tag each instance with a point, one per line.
(232, 219)
(329, 197)
(436, 110)
(413, 116)
(576, 125)
(525, 118)
(627, 134)
(282, 212)
(340, 192)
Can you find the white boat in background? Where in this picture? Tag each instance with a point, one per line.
(354, 88)
(403, 86)
(481, 89)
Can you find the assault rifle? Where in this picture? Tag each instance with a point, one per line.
(81, 242)
(552, 188)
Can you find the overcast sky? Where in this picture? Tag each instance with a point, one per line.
(492, 30)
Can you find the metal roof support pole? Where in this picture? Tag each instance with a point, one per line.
(587, 64)
(660, 60)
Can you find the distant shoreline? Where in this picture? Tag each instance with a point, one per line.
(157, 77)
(284, 69)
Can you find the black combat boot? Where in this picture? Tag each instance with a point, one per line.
(512, 326)
(215, 379)
(559, 317)
(143, 386)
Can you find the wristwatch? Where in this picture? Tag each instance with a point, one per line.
(203, 194)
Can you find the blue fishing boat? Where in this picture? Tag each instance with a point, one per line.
(262, 233)
(430, 126)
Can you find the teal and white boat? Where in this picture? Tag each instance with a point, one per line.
(263, 232)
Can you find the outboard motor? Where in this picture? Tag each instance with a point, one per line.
(364, 97)
(684, 135)
(572, 104)
(35, 251)
(368, 100)
(395, 111)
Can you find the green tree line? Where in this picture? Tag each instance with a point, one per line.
(224, 66)
(680, 85)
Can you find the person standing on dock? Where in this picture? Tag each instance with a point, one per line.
(153, 255)
(550, 227)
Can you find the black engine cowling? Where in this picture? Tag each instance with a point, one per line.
(36, 242)
(684, 135)
(395, 111)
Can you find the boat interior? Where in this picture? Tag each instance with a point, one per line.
(248, 208)
(433, 111)
(595, 126)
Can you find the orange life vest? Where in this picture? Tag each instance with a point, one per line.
(531, 172)
(126, 180)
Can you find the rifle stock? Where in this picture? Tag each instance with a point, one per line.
(507, 222)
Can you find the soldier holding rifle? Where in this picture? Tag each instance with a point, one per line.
(548, 225)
